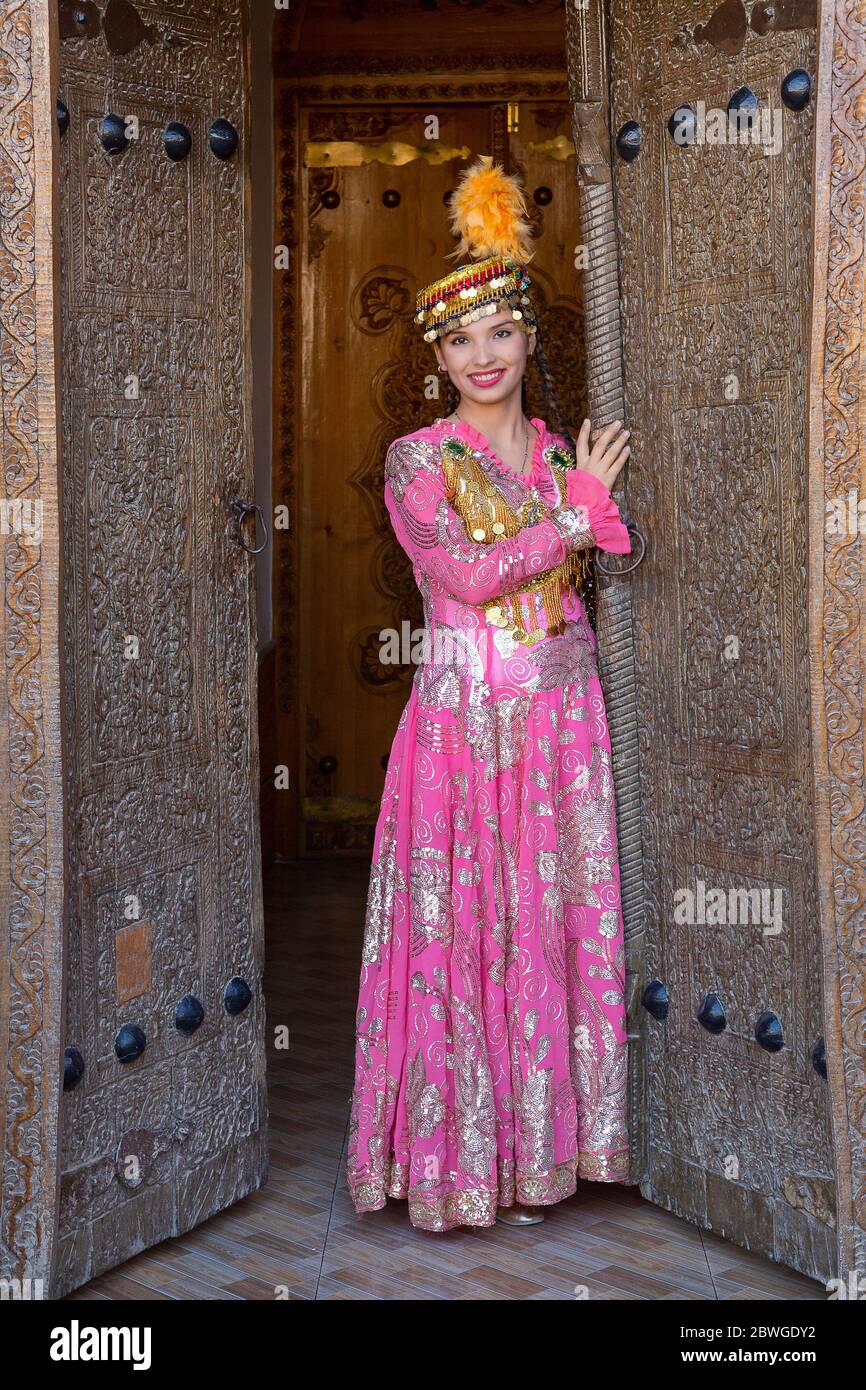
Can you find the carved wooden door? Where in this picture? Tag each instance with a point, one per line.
(164, 1119)
(375, 230)
(714, 247)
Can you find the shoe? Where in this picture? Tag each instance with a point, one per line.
(519, 1216)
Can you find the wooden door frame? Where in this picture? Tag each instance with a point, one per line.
(588, 89)
(31, 761)
(837, 607)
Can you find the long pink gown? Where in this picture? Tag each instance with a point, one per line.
(491, 1027)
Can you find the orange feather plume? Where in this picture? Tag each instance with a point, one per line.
(488, 213)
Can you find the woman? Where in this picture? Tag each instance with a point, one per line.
(491, 1029)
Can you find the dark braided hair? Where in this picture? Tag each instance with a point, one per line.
(452, 397)
(548, 388)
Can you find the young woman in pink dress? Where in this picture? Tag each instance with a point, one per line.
(491, 1028)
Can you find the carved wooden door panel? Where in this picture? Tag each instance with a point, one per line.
(375, 230)
(714, 244)
(164, 1118)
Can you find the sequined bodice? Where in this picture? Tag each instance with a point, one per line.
(470, 654)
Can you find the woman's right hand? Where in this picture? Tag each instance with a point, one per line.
(606, 458)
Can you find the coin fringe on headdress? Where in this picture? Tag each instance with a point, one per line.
(488, 214)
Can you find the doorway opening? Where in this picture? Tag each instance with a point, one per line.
(371, 131)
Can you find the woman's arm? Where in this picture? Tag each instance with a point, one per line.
(434, 537)
(585, 490)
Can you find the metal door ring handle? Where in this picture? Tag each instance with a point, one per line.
(243, 510)
(635, 533)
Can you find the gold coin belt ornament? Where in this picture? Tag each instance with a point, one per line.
(488, 517)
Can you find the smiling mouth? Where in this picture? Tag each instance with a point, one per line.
(486, 378)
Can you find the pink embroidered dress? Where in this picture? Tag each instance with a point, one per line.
(491, 1028)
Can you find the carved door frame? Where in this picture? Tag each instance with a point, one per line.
(837, 615)
(31, 761)
(837, 463)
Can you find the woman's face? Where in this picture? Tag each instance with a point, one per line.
(486, 360)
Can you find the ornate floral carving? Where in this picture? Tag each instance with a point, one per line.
(838, 584)
(355, 124)
(384, 295)
(285, 571)
(31, 819)
(320, 181)
(423, 59)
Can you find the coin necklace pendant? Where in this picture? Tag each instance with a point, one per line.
(498, 527)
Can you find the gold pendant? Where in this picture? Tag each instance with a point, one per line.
(486, 516)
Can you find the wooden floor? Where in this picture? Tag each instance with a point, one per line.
(299, 1237)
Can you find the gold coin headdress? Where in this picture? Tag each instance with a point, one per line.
(488, 214)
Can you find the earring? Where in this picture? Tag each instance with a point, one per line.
(442, 367)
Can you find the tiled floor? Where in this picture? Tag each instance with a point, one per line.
(299, 1237)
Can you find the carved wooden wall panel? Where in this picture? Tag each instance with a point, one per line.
(31, 770)
(162, 779)
(714, 246)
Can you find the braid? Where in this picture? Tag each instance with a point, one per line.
(588, 587)
(548, 388)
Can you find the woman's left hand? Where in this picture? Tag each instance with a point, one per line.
(608, 455)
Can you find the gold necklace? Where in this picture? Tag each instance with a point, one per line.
(522, 473)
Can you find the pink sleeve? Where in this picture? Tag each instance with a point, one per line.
(434, 537)
(585, 490)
